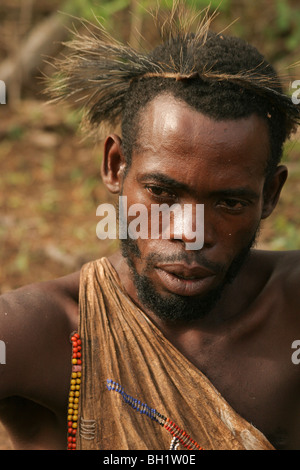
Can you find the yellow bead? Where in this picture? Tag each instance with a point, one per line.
(74, 361)
(77, 387)
(70, 411)
(77, 393)
(75, 413)
(75, 417)
(75, 406)
(73, 382)
(78, 374)
(71, 405)
(71, 399)
(78, 381)
(70, 417)
(72, 394)
(74, 375)
(76, 400)
(74, 425)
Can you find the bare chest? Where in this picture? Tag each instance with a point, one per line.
(258, 379)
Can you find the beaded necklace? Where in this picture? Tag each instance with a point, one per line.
(74, 394)
(179, 436)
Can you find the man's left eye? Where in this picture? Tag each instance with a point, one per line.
(233, 204)
(160, 192)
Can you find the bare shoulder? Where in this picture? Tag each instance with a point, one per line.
(284, 268)
(279, 263)
(34, 320)
(287, 268)
(42, 301)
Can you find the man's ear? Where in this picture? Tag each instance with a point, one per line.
(113, 163)
(272, 190)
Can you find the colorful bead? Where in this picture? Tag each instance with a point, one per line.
(179, 435)
(74, 391)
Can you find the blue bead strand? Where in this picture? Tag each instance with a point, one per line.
(136, 404)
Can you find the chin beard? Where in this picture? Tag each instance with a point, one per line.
(173, 307)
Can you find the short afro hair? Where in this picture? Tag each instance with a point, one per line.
(221, 76)
(218, 99)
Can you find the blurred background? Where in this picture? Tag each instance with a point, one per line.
(50, 182)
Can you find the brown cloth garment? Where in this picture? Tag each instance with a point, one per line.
(121, 344)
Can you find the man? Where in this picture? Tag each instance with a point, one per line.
(175, 348)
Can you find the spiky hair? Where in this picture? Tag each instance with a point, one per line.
(104, 77)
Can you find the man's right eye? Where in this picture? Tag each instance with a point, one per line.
(159, 192)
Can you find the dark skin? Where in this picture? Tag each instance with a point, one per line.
(243, 345)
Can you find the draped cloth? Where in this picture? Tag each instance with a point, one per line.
(129, 369)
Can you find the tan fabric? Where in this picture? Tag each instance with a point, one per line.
(121, 344)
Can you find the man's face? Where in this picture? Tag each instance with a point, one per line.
(184, 157)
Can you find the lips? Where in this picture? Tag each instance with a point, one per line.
(185, 279)
(187, 271)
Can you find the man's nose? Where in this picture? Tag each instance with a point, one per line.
(188, 225)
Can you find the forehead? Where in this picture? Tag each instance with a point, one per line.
(174, 135)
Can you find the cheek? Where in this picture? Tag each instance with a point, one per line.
(239, 235)
(230, 234)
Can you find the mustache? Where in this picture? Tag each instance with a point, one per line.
(190, 258)
(187, 257)
(130, 248)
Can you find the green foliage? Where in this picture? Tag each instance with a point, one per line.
(15, 132)
(221, 5)
(91, 9)
(288, 20)
(287, 235)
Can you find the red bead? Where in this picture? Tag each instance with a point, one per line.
(73, 446)
(79, 342)
(74, 432)
(70, 424)
(78, 361)
(78, 354)
(70, 439)
(73, 439)
(77, 335)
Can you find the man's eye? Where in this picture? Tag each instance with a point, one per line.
(232, 204)
(160, 192)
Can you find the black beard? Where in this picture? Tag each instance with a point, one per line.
(174, 307)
